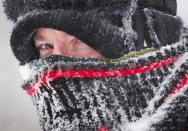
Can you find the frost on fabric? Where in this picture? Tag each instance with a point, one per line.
(127, 29)
(26, 72)
(160, 92)
(151, 115)
(139, 101)
(150, 23)
(158, 28)
(82, 104)
(148, 120)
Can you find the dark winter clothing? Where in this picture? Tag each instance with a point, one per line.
(141, 89)
(147, 92)
(112, 27)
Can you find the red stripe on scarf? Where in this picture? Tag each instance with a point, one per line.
(102, 129)
(91, 73)
(182, 82)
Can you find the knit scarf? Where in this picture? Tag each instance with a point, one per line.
(144, 90)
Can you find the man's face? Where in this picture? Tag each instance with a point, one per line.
(54, 42)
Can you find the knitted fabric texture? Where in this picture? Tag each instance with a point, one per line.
(147, 92)
(144, 91)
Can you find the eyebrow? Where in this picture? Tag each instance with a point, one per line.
(38, 37)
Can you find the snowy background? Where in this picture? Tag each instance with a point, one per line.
(16, 110)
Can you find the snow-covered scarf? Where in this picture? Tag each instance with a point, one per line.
(145, 90)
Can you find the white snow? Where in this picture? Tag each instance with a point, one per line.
(26, 72)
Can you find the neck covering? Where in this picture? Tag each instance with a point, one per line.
(142, 85)
(144, 90)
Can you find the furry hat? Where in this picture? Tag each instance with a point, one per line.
(112, 27)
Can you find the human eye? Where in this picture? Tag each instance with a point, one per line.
(45, 49)
(45, 46)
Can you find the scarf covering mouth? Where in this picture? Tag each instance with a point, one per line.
(144, 92)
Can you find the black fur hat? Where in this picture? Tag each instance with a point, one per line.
(112, 27)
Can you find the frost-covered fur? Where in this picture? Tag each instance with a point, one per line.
(142, 101)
